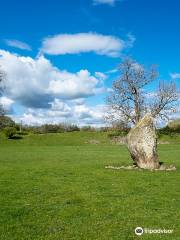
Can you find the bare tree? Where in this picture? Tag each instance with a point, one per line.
(128, 100)
(164, 101)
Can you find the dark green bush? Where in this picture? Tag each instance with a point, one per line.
(9, 132)
(22, 133)
(172, 128)
(17, 126)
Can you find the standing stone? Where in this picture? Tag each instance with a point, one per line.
(142, 144)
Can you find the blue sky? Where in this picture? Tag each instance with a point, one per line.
(68, 49)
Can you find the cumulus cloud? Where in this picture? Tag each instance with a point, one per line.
(6, 103)
(80, 84)
(108, 2)
(18, 44)
(90, 115)
(175, 75)
(79, 101)
(69, 112)
(85, 42)
(35, 83)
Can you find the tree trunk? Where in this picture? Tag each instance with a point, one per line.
(142, 144)
(136, 106)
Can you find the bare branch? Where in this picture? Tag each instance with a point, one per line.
(165, 98)
(126, 99)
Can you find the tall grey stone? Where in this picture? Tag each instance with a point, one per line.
(142, 144)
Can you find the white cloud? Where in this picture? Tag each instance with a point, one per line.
(79, 101)
(131, 40)
(36, 82)
(84, 42)
(101, 75)
(58, 105)
(65, 112)
(108, 2)
(31, 119)
(80, 84)
(175, 75)
(18, 44)
(6, 103)
(114, 70)
(90, 115)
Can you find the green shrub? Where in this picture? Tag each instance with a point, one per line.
(6, 122)
(172, 128)
(104, 129)
(117, 133)
(17, 126)
(35, 130)
(9, 132)
(22, 133)
(72, 128)
(88, 129)
(175, 125)
(51, 128)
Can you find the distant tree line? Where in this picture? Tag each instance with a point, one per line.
(7, 122)
(60, 128)
(171, 128)
(10, 128)
(51, 128)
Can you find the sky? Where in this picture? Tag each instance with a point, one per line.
(61, 57)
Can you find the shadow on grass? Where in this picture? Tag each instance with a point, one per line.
(16, 137)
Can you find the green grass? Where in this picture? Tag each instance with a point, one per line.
(56, 187)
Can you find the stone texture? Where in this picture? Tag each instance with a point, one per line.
(133, 167)
(142, 144)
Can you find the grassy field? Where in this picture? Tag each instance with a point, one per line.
(56, 187)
